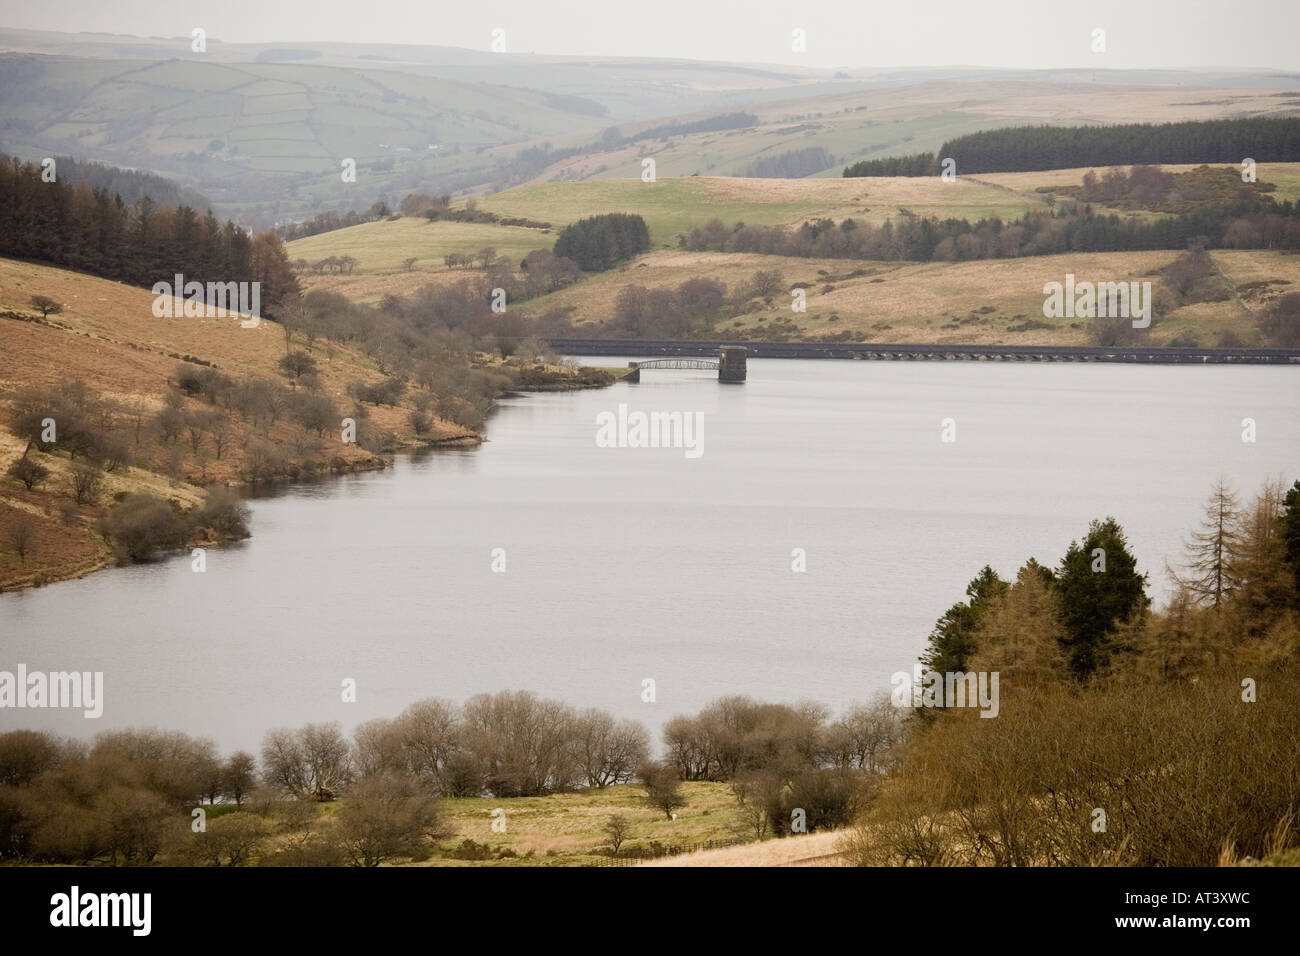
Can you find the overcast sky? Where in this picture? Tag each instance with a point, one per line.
(1001, 33)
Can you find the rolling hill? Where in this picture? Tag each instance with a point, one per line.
(262, 129)
(107, 337)
(976, 302)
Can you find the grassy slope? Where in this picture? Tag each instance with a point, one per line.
(671, 207)
(854, 124)
(382, 246)
(1285, 176)
(568, 825)
(267, 137)
(897, 302)
(291, 117)
(108, 338)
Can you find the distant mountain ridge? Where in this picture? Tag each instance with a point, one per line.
(269, 131)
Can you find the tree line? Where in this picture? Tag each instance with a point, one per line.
(437, 208)
(795, 164)
(128, 796)
(1259, 223)
(1028, 148)
(330, 220)
(131, 185)
(92, 230)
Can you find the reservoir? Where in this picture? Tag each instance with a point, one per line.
(627, 564)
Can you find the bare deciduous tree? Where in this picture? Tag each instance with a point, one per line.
(86, 482)
(385, 816)
(617, 828)
(1214, 549)
(313, 762)
(239, 776)
(30, 473)
(609, 751)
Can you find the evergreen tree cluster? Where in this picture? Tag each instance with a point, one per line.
(1097, 586)
(131, 184)
(710, 124)
(598, 242)
(1027, 148)
(90, 230)
(917, 164)
(795, 164)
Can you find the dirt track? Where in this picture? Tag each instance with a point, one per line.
(815, 849)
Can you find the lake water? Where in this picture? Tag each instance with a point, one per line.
(624, 564)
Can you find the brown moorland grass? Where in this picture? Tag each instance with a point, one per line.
(990, 302)
(107, 337)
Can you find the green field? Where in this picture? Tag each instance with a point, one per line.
(671, 207)
(564, 829)
(384, 246)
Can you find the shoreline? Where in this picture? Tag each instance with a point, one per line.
(104, 560)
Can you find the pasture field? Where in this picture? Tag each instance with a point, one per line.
(383, 247)
(565, 829)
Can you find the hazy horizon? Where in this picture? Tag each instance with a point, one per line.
(998, 34)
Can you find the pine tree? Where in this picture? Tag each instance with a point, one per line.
(1099, 589)
(952, 642)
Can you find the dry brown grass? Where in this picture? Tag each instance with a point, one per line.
(873, 199)
(108, 338)
(1177, 769)
(980, 302)
(1091, 103)
(813, 849)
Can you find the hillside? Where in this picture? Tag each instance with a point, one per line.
(107, 338)
(255, 131)
(867, 124)
(262, 129)
(977, 302)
